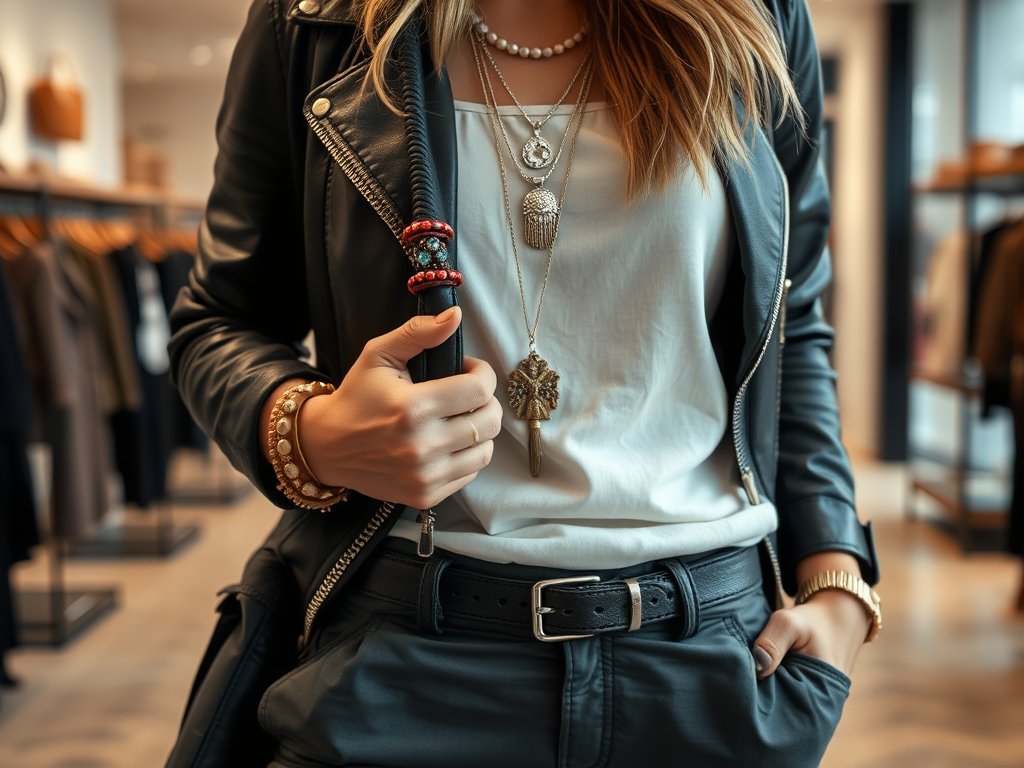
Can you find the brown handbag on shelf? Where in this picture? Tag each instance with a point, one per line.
(55, 104)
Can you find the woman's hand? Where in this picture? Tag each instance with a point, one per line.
(386, 437)
(830, 626)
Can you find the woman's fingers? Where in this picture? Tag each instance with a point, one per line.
(395, 349)
(468, 391)
(831, 626)
(783, 631)
(474, 427)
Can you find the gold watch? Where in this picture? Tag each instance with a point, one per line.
(846, 582)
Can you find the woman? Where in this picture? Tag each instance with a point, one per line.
(640, 260)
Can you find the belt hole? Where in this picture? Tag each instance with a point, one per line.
(654, 601)
(599, 609)
(456, 594)
(522, 604)
(502, 602)
(567, 612)
(476, 598)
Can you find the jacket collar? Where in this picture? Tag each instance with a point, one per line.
(368, 142)
(322, 12)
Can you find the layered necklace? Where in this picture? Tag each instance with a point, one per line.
(540, 207)
(533, 386)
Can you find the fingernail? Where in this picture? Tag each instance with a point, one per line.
(762, 660)
(445, 316)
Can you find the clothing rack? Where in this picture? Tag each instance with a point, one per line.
(58, 612)
(975, 517)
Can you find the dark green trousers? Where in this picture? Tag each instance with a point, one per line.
(380, 691)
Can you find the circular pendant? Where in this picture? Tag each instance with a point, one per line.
(537, 152)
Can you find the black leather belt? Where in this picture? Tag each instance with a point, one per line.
(566, 608)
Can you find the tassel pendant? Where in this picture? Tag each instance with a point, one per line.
(536, 448)
(533, 394)
(540, 218)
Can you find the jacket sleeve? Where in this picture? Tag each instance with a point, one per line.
(238, 324)
(814, 488)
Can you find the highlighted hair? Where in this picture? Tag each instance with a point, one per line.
(670, 70)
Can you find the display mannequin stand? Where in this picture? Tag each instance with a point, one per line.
(161, 537)
(57, 614)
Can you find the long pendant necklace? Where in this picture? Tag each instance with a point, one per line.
(540, 207)
(533, 387)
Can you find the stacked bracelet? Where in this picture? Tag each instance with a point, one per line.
(295, 479)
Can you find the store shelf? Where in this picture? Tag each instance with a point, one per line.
(970, 385)
(991, 184)
(70, 191)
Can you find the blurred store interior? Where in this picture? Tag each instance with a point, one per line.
(925, 152)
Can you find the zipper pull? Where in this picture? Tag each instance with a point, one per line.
(425, 548)
(747, 476)
(782, 318)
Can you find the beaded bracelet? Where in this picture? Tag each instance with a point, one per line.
(295, 479)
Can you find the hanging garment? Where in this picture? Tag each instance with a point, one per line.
(120, 388)
(943, 307)
(19, 531)
(999, 347)
(53, 304)
(174, 270)
(143, 437)
(995, 391)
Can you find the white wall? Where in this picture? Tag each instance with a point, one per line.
(177, 117)
(854, 33)
(30, 30)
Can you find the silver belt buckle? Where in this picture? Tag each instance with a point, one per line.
(538, 610)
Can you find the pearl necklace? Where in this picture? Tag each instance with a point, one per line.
(523, 51)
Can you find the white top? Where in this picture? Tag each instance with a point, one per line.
(637, 462)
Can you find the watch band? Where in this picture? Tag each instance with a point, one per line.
(846, 582)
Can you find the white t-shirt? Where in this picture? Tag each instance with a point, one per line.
(637, 462)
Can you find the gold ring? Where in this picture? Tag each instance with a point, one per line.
(476, 435)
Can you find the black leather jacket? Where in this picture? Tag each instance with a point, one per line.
(301, 232)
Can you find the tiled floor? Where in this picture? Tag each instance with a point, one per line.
(943, 687)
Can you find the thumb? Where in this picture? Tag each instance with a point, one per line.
(395, 349)
(780, 634)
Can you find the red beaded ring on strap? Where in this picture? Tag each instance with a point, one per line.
(433, 278)
(427, 227)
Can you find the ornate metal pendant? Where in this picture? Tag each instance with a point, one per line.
(540, 212)
(533, 394)
(537, 153)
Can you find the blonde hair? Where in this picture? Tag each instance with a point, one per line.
(670, 70)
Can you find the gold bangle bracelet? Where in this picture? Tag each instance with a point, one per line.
(295, 480)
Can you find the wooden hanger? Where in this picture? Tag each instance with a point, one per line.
(22, 231)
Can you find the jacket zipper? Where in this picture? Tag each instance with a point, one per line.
(745, 467)
(370, 189)
(335, 574)
(364, 182)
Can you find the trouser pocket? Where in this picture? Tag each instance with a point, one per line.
(700, 699)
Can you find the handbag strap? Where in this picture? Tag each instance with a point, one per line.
(446, 359)
(56, 61)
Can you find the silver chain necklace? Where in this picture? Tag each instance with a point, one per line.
(537, 151)
(533, 387)
(540, 207)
